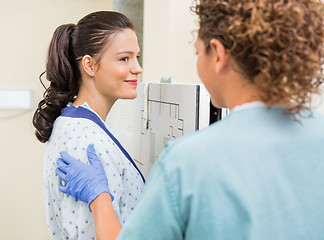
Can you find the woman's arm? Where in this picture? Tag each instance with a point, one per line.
(106, 222)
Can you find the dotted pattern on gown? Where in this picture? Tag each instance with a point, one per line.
(68, 218)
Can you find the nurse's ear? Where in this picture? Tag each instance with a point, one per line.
(88, 65)
(219, 54)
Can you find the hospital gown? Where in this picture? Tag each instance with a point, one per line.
(255, 175)
(73, 131)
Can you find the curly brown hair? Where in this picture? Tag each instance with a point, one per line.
(276, 44)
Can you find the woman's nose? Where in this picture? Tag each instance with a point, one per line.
(136, 69)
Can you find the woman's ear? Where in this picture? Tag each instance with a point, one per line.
(219, 54)
(88, 65)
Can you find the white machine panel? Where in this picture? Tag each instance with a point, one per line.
(172, 111)
(161, 112)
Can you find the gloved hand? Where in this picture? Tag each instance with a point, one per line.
(83, 182)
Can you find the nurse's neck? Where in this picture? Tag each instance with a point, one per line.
(243, 95)
(239, 91)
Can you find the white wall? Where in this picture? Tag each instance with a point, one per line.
(26, 29)
(168, 41)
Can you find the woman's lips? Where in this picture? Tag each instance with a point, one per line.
(132, 82)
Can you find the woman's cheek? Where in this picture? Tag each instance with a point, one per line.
(121, 71)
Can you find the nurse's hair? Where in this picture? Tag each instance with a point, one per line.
(70, 42)
(276, 44)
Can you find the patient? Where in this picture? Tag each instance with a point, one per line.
(89, 65)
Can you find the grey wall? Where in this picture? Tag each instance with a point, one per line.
(134, 10)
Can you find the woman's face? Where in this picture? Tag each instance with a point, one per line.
(205, 71)
(117, 73)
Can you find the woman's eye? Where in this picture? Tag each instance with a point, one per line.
(125, 59)
(138, 57)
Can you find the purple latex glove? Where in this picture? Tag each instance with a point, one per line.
(83, 182)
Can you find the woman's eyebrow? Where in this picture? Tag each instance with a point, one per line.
(126, 51)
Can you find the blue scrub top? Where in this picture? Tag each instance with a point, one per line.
(254, 175)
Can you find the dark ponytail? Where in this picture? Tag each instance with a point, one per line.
(68, 45)
(64, 77)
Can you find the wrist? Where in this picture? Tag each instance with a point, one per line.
(106, 221)
(101, 199)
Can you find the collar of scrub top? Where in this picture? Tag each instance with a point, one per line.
(81, 112)
(248, 105)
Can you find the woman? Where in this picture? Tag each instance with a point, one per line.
(90, 65)
(258, 173)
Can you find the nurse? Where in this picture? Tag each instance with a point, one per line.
(90, 65)
(258, 173)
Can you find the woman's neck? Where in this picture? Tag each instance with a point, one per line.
(96, 101)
